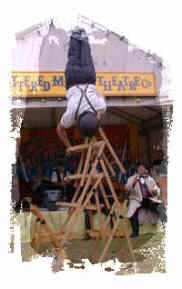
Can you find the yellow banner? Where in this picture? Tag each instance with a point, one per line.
(52, 84)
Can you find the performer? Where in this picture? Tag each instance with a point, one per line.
(143, 193)
(85, 105)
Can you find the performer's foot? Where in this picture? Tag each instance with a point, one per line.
(77, 28)
(84, 34)
(79, 33)
(76, 34)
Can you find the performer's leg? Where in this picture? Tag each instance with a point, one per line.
(80, 68)
(73, 66)
(88, 223)
(149, 205)
(105, 211)
(88, 69)
(87, 220)
(135, 224)
(74, 52)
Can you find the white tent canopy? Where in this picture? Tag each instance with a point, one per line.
(45, 49)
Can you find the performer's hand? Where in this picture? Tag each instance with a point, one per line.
(135, 181)
(66, 180)
(154, 193)
(68, 152)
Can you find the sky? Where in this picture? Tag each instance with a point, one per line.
(154, 25)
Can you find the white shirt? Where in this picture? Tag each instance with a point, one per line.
(73, 96)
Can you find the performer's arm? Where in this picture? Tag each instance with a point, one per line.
(62, 134)
(131, 183)
(87, 65)
(73, 66)
(155, 190)
(67, 121)
(99, 114)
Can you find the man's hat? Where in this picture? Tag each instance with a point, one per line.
(88, 124)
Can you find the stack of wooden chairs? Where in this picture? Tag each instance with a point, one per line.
(95, 152)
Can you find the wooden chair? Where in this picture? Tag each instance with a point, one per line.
(87, 181)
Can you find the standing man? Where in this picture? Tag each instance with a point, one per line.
(85, 105)
(143, 193)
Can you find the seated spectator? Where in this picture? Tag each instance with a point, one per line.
(48, 168)
(68, 164)
(143, 192)
(55, 175)
(61, 172)
(48, 193)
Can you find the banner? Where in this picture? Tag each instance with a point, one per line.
(52, 84)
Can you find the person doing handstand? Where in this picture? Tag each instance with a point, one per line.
(85, 105)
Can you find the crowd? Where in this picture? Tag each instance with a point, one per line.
(141, 188)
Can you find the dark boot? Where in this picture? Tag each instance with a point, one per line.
(134, 225)
(87, 226)
(76, 33)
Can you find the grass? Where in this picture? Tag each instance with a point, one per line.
(149, 249)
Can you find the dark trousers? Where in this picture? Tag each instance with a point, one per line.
(104, 210)
(147, 204)
(80, 68)
(87, 219)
